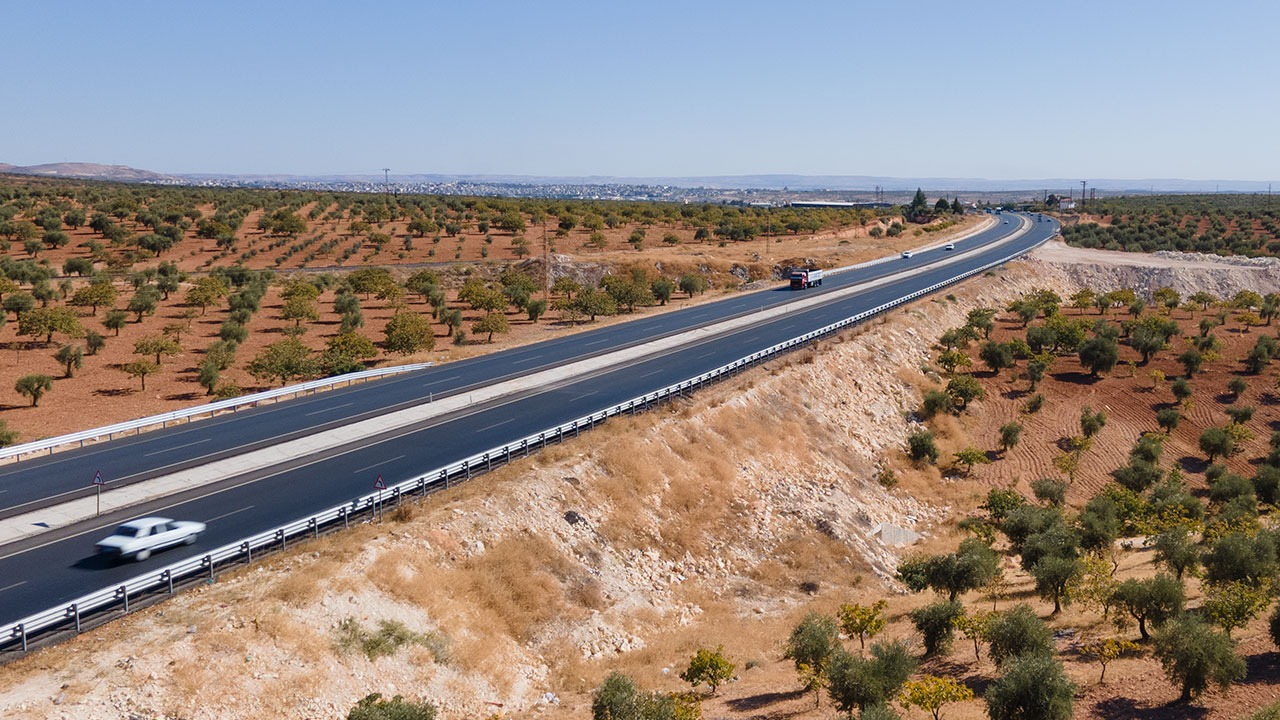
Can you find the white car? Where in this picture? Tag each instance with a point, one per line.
(907, 253)
(139, 538)
(949, 246)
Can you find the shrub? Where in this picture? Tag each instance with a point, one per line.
(1018, 632)
(1195, 655)
(936, 625)
(921, 447)
(1032, 687)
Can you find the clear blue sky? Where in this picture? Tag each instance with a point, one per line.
(1001, 90)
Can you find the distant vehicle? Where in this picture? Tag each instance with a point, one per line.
(139, 538)
(949, 246)
(907, 253)
(805, 277)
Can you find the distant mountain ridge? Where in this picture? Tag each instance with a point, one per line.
(88, 171)
(865, 183)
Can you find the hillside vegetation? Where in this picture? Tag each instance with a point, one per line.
(1219, 224)
(124, 300)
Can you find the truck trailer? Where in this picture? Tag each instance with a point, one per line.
(805, 277)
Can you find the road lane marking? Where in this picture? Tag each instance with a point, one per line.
(580, 397)
(442, 380)
(370, 467)
(595, 342)
(227, 515)
(490, 427)
(10, 587)
(653, 372)
(335, 407)
(519, 362)
(176, 447)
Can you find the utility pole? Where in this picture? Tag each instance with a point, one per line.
(386, 183)
(1083, 184)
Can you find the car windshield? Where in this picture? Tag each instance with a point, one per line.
(127, 531)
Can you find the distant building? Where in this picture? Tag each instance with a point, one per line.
(1066, 204)
(837, 204)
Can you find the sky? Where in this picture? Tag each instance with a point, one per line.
(984, 89)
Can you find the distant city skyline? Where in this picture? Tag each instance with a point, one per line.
(996, 90)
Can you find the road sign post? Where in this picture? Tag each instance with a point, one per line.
(379, 485)
(97, 482)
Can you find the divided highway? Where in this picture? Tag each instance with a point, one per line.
(61, 569)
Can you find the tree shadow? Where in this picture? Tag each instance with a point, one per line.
(1122, 708)
(1076, 378)
(1014, 394)
(1225, 398)
(186, 397)
(114, 392)
(1262, 668)
(1269, 398)
(763, 700)
(1192, 464)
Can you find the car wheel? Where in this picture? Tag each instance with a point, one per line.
(191, 540)
(142, 555)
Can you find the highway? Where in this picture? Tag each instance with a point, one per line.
(40, 575)
(69, 474)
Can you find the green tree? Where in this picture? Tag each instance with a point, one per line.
(1091, 422)
(115, 320)
(1050, 491)
(284, 360)
(1155, 600)
(693, 284)
(936, 625)
(1191, 360)
(930, 693)
(970, 567)
(93, 295)
(409, 332)
(865, 683)
(144, 301)
(1175, 551)
(1010, 433)
(971, 456)
(1032, 687)
(71, 357)
(921, 447)
(49, 320)
(1195, 655)
(1232, 605)
(1167, 419)
(1108, 650)
(493, 322)
(996, 356)
(33, 386)
(1018, 632)
(346, 352)
(1215, 442)
(1099, 355)
(864, 621)
(811, 646)
(710, 667)
(375, 707)
(141, 369)
(964, 389)
(207, 374)
(157, 345)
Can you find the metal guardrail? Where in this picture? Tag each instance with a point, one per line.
(72, 613)
(16, 452)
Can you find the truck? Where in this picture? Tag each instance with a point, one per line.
(805, 277)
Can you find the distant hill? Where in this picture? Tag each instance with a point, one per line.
(801, 183)
(88, 171)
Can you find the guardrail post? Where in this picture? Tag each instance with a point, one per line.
(280, 537)
(488, 464)
(422, 485)
(168, 578)
(466, 467)
(247, 550)
(75, 614)
(315, 527)
(343, 513)
(22, 632)
(395, 495)
(208, 560)
(524, 445)
(542, 440)
(123, 592)
(575, 428)
(444, 475)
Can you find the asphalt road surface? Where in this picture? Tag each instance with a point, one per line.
(38, 575)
